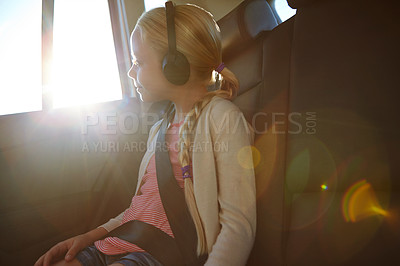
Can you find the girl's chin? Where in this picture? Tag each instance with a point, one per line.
(144, 96)
(141, 94)
(139, 90)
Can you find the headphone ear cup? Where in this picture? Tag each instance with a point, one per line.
(176, 68)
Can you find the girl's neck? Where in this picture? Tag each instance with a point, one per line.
(185, 100)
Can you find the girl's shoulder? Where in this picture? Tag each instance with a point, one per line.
(222, 114)
(219, 106)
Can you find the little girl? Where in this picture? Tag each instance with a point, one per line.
(205, 135)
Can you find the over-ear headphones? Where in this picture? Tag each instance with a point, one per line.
(175, 65)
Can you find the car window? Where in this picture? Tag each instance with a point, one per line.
(78, 67)
(283, 9)
(20, 53)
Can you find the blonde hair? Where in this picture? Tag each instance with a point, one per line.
(199, 39)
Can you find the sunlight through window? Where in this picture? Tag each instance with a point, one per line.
(150, 4)
(20, 56)
(85, 66)
(284, 10)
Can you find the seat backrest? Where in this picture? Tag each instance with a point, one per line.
(320, 90)
(342, 164)
(246, 52)
(243, 31)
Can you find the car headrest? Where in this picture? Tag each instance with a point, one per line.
(245, 23)
(299, 3)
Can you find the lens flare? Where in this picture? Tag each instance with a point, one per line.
(256, 156)
(324, 187)
(245, 160)
(360, 202)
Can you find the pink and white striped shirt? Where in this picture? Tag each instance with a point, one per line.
(146, 205)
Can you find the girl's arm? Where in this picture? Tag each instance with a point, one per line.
(113, 222)
(236, 187)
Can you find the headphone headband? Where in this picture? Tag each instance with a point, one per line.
(175, 65)
(170, 13)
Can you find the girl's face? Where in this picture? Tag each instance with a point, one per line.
(146, 72)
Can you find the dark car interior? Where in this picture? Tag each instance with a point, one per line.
(320, 90)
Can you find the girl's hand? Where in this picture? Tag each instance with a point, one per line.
(70, 247)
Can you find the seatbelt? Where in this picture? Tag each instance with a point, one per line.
(182, 249)
(153, 240)
(173, 199)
